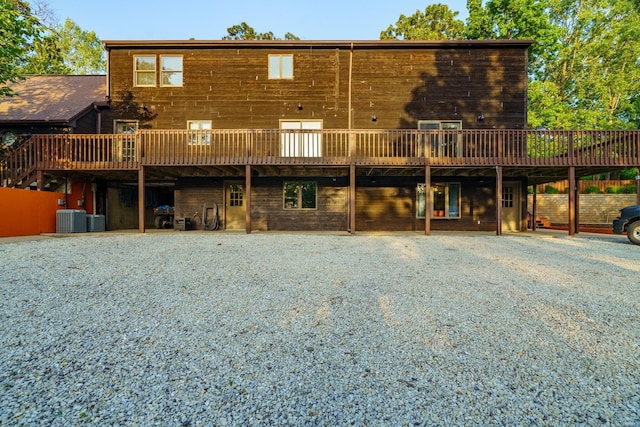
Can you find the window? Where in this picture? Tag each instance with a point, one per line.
(280, 67)
(440, 144)
(507, 197)
(445, 200)
(200, 136)
(171, 71)
(235, 195)
(300, 195)
(144, 70)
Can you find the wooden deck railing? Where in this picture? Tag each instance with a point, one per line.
(323, 147)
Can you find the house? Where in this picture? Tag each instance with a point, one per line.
(52, 104)
(326, 135)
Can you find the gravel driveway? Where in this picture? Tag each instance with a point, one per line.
(208, 329)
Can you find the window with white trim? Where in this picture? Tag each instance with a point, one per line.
(445, 200)
(199, 132)
(144, 71)
(280, 67)
(300, 195)
(170, 70)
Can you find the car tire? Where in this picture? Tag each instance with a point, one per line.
(159, 222)
(633, 232)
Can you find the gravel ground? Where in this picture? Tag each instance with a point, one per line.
(208, 329)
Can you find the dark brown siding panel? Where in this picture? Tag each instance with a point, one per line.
(191, 196)
(268, 212)
(230, 87)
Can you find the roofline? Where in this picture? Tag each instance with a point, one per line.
(346, 44)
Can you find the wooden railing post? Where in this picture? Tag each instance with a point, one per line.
(572, 201)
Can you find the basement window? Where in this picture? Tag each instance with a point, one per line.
(280, 67)
(445, 200)
(300, 195)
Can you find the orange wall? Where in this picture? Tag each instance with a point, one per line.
(29, 212)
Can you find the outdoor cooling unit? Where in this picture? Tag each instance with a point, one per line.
(95, 223)
(71, 221)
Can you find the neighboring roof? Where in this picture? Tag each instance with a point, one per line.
(52, 98)
(345, 44)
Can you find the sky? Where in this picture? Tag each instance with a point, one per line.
(209, 19)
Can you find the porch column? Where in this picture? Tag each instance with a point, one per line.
(141, 201)
(39, 180)
(498, 200)
(352, 199)
(247, 179)
(534, 208)
(427, 200)
(572, 201)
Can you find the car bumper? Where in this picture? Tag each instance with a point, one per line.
(618, 226)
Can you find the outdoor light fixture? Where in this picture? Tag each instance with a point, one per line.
(374, 118)
(299, 106)
(481, 117)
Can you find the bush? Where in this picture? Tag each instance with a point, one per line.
(549, 189)
(592, 189)
(629, 189)
(613, 190)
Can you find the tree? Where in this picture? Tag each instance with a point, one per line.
(437, 22)
(45, 58)
(81, 50)
(244, 31)
(19, 29)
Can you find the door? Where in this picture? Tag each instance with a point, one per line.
(511, 206)
(125, 148)
(235, 210)
(301, 144)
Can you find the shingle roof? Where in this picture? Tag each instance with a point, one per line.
(52, 98)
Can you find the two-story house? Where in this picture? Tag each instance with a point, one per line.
(327, 135)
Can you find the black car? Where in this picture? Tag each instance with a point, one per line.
(628, 220)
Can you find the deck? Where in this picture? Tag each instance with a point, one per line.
(524, 151)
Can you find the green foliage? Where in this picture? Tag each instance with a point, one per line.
(45, 58)
(630, 189)
(611, 189)
(591, 189)
(549, 189)
(19, 29)
(437, 22)
(244, 31)
(630, 173)
(81, 50)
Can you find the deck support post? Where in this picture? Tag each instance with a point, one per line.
(247, 178)
(40, 180)
(534, 208)
(427, 200)
(572, 201)
(498, 200)
(141, 199)
(352, 199)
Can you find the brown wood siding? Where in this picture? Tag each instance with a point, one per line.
(391, 206)
(230, 87)
(191, 196)
(268, 212)
(87, 123)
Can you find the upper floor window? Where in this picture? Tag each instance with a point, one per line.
(280, 66)
(441, 144)
(144, 71)
(199, 134)
(171, 71)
